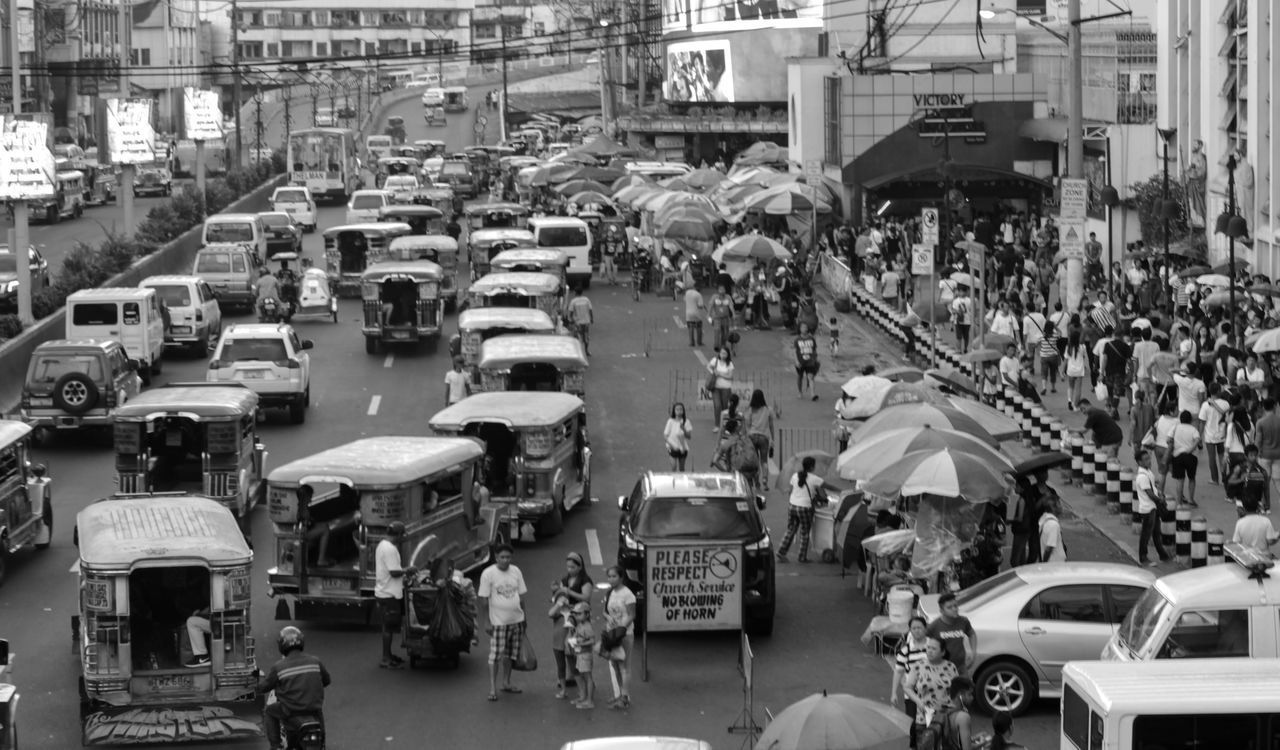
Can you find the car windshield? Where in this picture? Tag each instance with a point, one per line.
(1142, 622)
(455, 167)
(992, 588)
(174, 295)
(562, 236)
(366, 201)
(228, 232)
(291, 196)
(275, 220)
(47, 368)
(696, 518)
(213, 263)
(254, 350)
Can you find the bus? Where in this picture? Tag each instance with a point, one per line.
(389, 80)
(324, 161)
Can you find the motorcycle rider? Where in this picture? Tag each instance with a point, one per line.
(288, 282)
(299, 680)
(268, 289)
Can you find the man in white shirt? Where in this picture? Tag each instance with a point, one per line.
(1144, 353)
(388, 589)
(1052, 548)
(456, 384)
(1149, 502)
(1213, 420)
(889, 282)
(1191, 391)
(1254, 529)
(501, 595)
(1010, 367)
(1002, 323)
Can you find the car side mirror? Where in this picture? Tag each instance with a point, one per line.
(622, 502)
(760, 502)
(308, 344)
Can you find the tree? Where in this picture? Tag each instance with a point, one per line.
(1145, 197)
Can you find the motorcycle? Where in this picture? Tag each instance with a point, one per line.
(641, 263)
(270, 310)
(301, 732)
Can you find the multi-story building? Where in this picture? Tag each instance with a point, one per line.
(164, 56)
(1219, 93)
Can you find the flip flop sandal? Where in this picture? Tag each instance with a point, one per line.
(493, 697)
(512, 689)
(390, 665)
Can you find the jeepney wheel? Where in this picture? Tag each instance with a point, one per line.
(47, 518)
(552, 523)
(370, 345)
(78, 211)
(41, 437)
(52, 215)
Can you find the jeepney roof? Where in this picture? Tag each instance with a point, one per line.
(502, 352)
(378, 461)
(513, 408)
(380, 228)
(428, 142)
(415, 211)
(418, 270)
(1111, 684)
(503, 280)
(484, 318)
(499, 234)
(229, 218)
(121, 531)
(456, 90)
(11, 431)
(531, 255)
(397, 159)
(425, 241)
(193, 399)
(477, 209)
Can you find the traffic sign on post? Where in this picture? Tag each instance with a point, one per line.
(929, 226)
(813, 171)
(921, 260)
(1074, 199)
(1071, 241)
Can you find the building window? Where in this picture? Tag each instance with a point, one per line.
(297, 49)
(273, 49)
(250, 50)
(539, 28)
(320, 18)
(393, 18)
(251, 18)
(487, 31)
(271, 18)
(831, 91)
(371, 48)
(322, 49)
(369, 18)
(343, 19)
(415, 48)
(416, 17)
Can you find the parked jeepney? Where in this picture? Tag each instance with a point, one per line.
(200, 438)
(532, 260)
(540, 291)
(480, 324)
(421, 219)
(533, 362)
(330, 510)
(440, 249)
(350, 248)
(26, 496)
(153, 569)
(483, 244)
(401, 304)
(537, 456)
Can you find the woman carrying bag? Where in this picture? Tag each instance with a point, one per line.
(806, 494)
(720, 380)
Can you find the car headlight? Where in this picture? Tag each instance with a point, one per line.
(11, 287)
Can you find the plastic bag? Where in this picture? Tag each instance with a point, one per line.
(528, 661)
(454, 618)
(1100, 390)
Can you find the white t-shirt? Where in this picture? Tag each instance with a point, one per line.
(1033, 328)
(802, 495)
(674, 434)
(1190, 393)
(615, 608)
(456, 382)
(503, 589)
(1144, 487)
(1185, 439)
(1003, 324)
(1213, 414)
(1010, 370)
(1255, 531)
(386, 558)
(1051, 536)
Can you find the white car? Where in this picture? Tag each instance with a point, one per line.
(366, 206)
(401, 187)
(195, 320)
(433, 97)
(270, 360)
(298, 203)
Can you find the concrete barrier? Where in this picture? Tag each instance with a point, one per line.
(174, 257)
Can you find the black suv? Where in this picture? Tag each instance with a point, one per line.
(669, 506)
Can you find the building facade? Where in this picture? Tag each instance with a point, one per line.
(81, 44)
(165, 57)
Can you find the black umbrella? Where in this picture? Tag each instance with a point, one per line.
(1050, 460)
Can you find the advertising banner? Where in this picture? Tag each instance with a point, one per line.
(693, 586)
(699, 71)
(26, 163)
(204, 118)
(701, 16)
(738, 68)
(131, 137)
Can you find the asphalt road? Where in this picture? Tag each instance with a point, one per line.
(694, 688)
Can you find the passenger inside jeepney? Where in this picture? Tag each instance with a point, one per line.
(399, 303)
(534, 376)
(161, 600)
(332, 521)
(352, 247)
(500, 449)
(175, 445)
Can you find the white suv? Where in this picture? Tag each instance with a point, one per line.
(270, 360)
(296, 201)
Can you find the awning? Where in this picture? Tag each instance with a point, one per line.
(1050, 129)
(961, 172)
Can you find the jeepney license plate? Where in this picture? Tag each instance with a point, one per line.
(335, 584)
(399, 334)
(170, 682)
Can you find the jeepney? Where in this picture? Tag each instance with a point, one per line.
(388, 166)
(101, 184)
(421, 219)
(540, 291)
(330, 510)
(405, 151)
(401, 304)
(350, 248)
(431, 147)
(532, 260)
(533, 362)
(537, 456)
(8, 700)
(480, 324)
(26, 495)
(437, 196)
(455, 99)
(483, 244)
(498, 215)
(67, 202)
(440, 249)
(152, 570)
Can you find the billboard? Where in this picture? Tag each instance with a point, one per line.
(26, 163)
(703, 16)
(203, 116)
(129, 131)
(700, 71)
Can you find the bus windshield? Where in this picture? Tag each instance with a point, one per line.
(316, 152)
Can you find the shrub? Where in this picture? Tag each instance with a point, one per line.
(188, 206)
(162, 224)
(10, 326)
(218, 195)
(47, 301)
(81, 269)
(118, 253)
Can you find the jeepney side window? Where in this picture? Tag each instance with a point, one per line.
(442, 491)
(10, 464)
(294, 342)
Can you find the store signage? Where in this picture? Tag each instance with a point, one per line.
(668, 141)
(26, 163)
(693, 586)
(129, 131)
(203, 116)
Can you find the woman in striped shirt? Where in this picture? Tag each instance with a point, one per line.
(911, 651)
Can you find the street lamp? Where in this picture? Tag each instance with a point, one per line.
(1235, 227)
(257, 123)
(1168, 210)
(990, 13)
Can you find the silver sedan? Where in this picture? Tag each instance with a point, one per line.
(1033, 619)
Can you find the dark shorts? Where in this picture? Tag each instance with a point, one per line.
(962, 329)
(676, 453)
(391, 612)
(1184, 466)
(807, 368)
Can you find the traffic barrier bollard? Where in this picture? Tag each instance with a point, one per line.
(1099, 478)
(1217, 541)
(1126, 493)
(1058, 436)
(1113, 486)
(1037, 428)
(1182, 534)
(1077, 457)
(1089, 451)
(1168, 523)
(1199, 542)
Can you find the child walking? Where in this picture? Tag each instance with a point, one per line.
(582, 640)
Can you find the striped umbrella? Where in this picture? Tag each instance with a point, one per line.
(683, 211)
(580, 186)
(688, 229)
(651, 201)
(919, 415)
(589, 196)
(992, 421)
(677, 198)
(783, 201)
(677, 183)
(629, 180)
(750, 247)
(704, 179)
(942, 472)
(632, 193)
(868, 458)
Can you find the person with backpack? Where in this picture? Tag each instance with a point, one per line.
(927, 685)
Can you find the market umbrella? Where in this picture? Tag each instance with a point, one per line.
(867, 458)
(878, 398)
(779, 201)
(997, 341)
(981, 355)
(758, 175)
(953, 380)
(942, 472)
(600, 146)
(688, 229)
(687, 211)
(704, 179)
(903, 374)
(864, 385)
(589, 196)
(603, 175)
(676, 183)
(837, 722)
(918, 415)
(580, 186)
(677, 198)
(1226, 269)
(992, 421)
(1043, 461)
(1222, 298)
(823, 461)
(1193, 271)
(1214, 280)
(630, 180)
(1265, 290)
(631, 193)
(751, 247)
(652, 200)
(966, 279)
(1268, 342)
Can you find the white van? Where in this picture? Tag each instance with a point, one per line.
(236, 229)
(1173, 705)
(129, 315)
(433, 97)
(1226, 610)
(195, 320)
(571, 236)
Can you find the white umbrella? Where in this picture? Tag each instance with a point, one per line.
(1268, 341)
(1214, 280)
(751, 247)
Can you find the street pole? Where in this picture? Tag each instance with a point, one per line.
(1075, 139)
(257, 124)
(235, 80)
(201, 170)
(288, 117)
(1111, 240)
(1231, 247)
(1164, 214)
(21, 219)
(502, 34)
(315, 104)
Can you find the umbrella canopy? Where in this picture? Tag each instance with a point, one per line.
(1191, 272)
(704, 179)
(600, 146)
(736, 195)
(676, 198)
(580, 186)
(935, 415)
(982, 355)
(836, 722)
(966, 279)
(868, 458)
(1227, 269)
(688, 229)
(1223, 298)
(863, 385)
(629, 181)
(940, 311)
(1213, 279)
(603, 175)
(993, 422)
(1042, 462)
(631, 193)
(1265, 290)
(953, 380)
(1268, 342)
(686, 211)
(589, 196)
(676, 183)
(903, 374)
(754, 175)
(997, 341)
(652, 200)
(942, 472)
(784, 201)
(751, 247)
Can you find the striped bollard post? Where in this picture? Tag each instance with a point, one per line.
(1199, 542)
(1039, 438)
(1058, 436)
(1077, 458)
(1217, 543)
(1113, 486)
(1168, 523)
(1182, 534)
(1085, 478)
(1099, 478)
(1028, 423)
(1126, 493)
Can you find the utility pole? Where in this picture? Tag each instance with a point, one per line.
(1075, 139)
(21, 235)
(127, 171)
(235, 80)
(502, 34)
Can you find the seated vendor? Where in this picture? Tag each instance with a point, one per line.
(898, 574)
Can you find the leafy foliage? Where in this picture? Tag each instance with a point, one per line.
(1146, 197)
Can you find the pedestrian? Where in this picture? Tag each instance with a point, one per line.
(1266, 435)
(736, 453)
(954, 631)
(1143, 420)
(1050, 360)
(720, 380)
(581, 316)
(501, 595)
(1191, 390)
(1165, 423)
(1103, 428)
(1113, 354)
(457, 385)
(388, 589)
(567, 593)
(1183, 444)
(1018, 511)
(890, 286)
(1254, 529)
(928, 681)
(731, 409)
(1010, 367)
(1052, 548)
(1150, 503)
(583, 640)
(676, 435)
(695, 311)
(620, 612)
(721, 317)
(1002, 732)
(806, 488)
(1250, 481)
(1213, 416)
(958, 726)
(1145, 350)
(912, 650)
(1076, 361)
(962, 316)
(805, 348)
(760, 428)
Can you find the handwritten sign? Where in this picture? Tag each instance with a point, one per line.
(693, 586)
(282, 504)
(1075, 199)
(236, 591)
(99, 595)
(26, 163)
(381, 507)
(204, 118)
(222, 437)
(129, 131)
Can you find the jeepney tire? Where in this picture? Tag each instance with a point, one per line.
(47, 519)
(370, 345)
(552, 524)
(306, 397)
(298, 412)
(91, 393)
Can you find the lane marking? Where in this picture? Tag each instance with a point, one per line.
(593, 548)
(679, 323)
(701, 357)
(374, 403)
(390, 360)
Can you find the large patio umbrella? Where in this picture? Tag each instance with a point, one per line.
(866, 459)
(686, 211)
(600, 146)
(781, 201)
(903, 374)
(941, 472)
(750, 247)
(704, 179)
(992, 421)
(672, 198)
(589, 196)
(837, 722)
(762, 152)
(940, 416)
(752, 175)
(688, 229)
(1268, 342)
(603, 175)
(580, 186)
(653, 200)
(677, 183)
(629, 180)
(631, 193)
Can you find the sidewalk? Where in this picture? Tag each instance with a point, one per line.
(1059, 424)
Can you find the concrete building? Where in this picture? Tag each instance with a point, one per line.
(164, 56)
(1217, 85)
